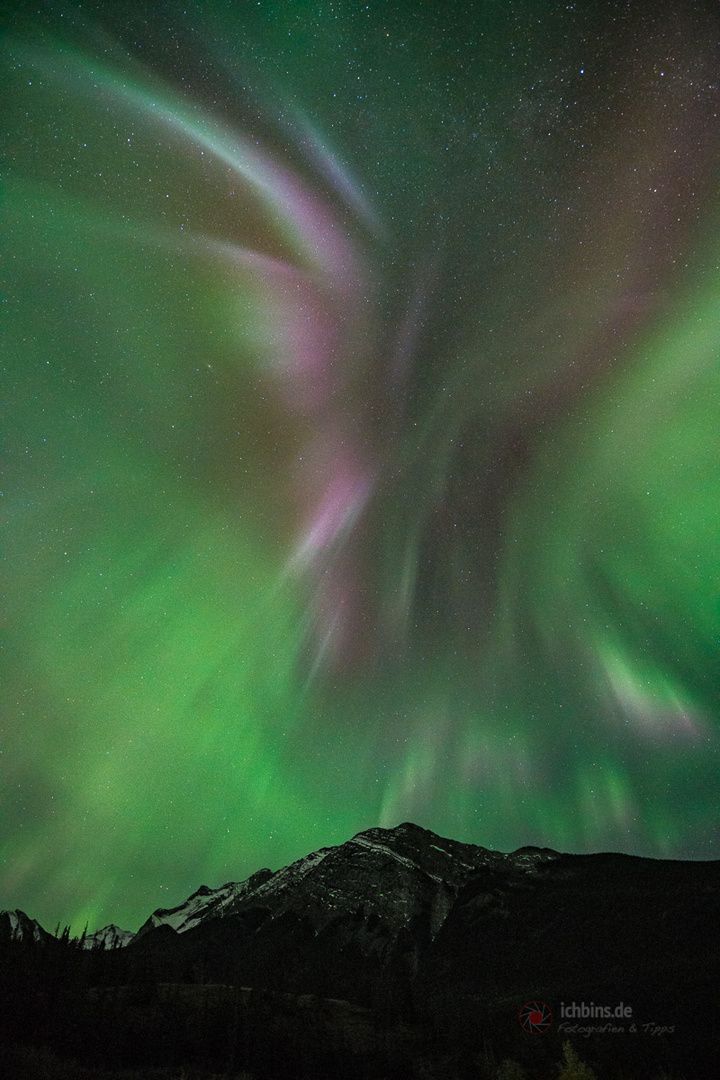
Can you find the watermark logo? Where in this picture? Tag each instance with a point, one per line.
(535, 1017)
(579, 1009)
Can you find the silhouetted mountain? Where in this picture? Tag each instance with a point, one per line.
(434, 947)
(17, 926)
(110, 937)
(204, 904)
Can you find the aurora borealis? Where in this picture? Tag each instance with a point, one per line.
(361, 454)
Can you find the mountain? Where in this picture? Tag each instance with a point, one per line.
(441, 942)
(16, 926)
(204, 904)
(110, 937)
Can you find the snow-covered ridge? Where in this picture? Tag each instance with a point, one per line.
(293, 874)
(110, 937)
(362, 841)
(204, 904)
(22, 927)
(529, 858)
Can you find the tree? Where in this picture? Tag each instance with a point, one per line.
(572, 1068)
(510, 1070)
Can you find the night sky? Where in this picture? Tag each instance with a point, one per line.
(361, 458)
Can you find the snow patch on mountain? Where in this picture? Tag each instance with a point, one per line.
(205, 903)
(24, 927)
(531, 858)
(361, 840)
(110, 937)
(19, 927)
(292, 875)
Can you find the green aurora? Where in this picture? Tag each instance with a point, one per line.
(361, 378)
